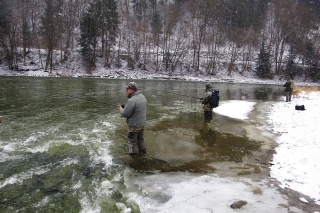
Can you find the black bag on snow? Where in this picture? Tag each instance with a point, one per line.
(300, 107)
(214, 98)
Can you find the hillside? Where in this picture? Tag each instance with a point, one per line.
(206, 40)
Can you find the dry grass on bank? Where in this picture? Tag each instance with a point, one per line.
(297, 90)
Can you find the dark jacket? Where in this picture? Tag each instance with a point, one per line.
(288, 85)
(135, 111)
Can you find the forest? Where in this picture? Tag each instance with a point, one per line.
(267, 37)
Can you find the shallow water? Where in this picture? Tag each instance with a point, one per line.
(63, 144)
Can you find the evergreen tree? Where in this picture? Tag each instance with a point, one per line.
(5, 18)
(138, 7)
(156, 25)
(7, 44)
(130, 63)
(263, 65)
(26, 38)
(99, 22)
(108, 26)
(312, 62)
(112, 19)
(291, 68)
(245, 14)
(88, 39)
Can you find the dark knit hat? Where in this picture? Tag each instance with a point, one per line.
(208, 85)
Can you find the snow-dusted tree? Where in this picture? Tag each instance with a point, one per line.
(287, 17)
(243, 19)
(156, 25)
(68, 23)
(36, 8)
(198, 15)
(22, 14)
(170, 20)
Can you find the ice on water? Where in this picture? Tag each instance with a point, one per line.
(185, 192)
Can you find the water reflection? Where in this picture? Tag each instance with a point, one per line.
(180, 145)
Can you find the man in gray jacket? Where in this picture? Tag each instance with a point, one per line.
(135, 113)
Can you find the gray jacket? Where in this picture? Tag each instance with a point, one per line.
(135, 111)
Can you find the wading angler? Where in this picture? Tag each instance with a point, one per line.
(135, 113)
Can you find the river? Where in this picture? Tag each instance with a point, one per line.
(63, 148)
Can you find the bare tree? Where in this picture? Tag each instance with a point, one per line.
(22, 12)
(198, 21)
(36, 7)
(284, 21)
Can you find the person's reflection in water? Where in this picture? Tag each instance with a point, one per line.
(207, 135)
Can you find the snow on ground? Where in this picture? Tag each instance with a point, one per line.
(296, 163)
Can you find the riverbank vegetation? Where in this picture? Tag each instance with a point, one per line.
(264, 37)
(300, 89)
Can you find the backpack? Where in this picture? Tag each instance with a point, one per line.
(291, 85)
(214, 97)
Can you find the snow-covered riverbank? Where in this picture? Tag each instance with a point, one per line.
(296, 163)
(138, 74)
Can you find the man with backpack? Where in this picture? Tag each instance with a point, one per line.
(210, 101)
(288, 89)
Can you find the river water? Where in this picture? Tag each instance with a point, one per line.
(63, 147)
